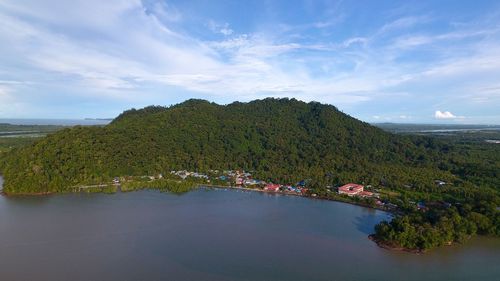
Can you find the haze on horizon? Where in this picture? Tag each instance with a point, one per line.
(379, 61)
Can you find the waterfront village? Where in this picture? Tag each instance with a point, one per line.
(245, 180)
(241, 180)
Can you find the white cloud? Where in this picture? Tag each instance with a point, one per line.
(8, 103)
(445, 115)
(129, 44)
(226, 31)
(105, 14)
(220, 28)
(3, 93)
(403, 23)
(412, 41)
(162, 10)
(355, 40)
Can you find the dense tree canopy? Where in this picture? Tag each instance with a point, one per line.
(279, 139)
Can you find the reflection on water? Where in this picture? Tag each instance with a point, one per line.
(213, 235)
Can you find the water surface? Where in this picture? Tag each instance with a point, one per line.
(57, 122)
(213, 235)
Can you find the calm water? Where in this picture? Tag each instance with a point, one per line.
(213, 235)
(58, 122)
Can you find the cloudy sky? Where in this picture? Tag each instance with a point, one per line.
(379, 61)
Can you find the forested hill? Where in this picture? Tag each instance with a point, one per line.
(279, 139)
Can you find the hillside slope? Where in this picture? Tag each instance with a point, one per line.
(278, 139)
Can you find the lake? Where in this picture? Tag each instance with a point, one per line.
(214, 235)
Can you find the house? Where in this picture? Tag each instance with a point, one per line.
(199, 175)
(351, 189)
(272, 187)
(182, 174)
(365, 194)
(421, 206)
(239, 181)
(440, 182)
(251, 182)
(302, 183)
(438, 204)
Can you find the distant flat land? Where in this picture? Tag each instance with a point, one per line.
(12, 136)
(20, 132)
(10, 130)
(434, 128)
(463, 134)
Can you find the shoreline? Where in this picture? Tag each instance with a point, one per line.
(2, 192)
(300, 195)
(9, 194)
(389, 247)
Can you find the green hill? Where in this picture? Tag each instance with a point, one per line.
(279, 139)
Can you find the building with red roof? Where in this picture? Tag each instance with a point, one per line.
(272, 187)
(351, 189)
(365, 194)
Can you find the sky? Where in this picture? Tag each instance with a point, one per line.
(379, 61)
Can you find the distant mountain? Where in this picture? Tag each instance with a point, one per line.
(279, 139)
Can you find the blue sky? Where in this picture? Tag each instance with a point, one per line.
(379, 61)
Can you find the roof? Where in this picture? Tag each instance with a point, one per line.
(351, 188)
(272, 186)
(366, 193)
